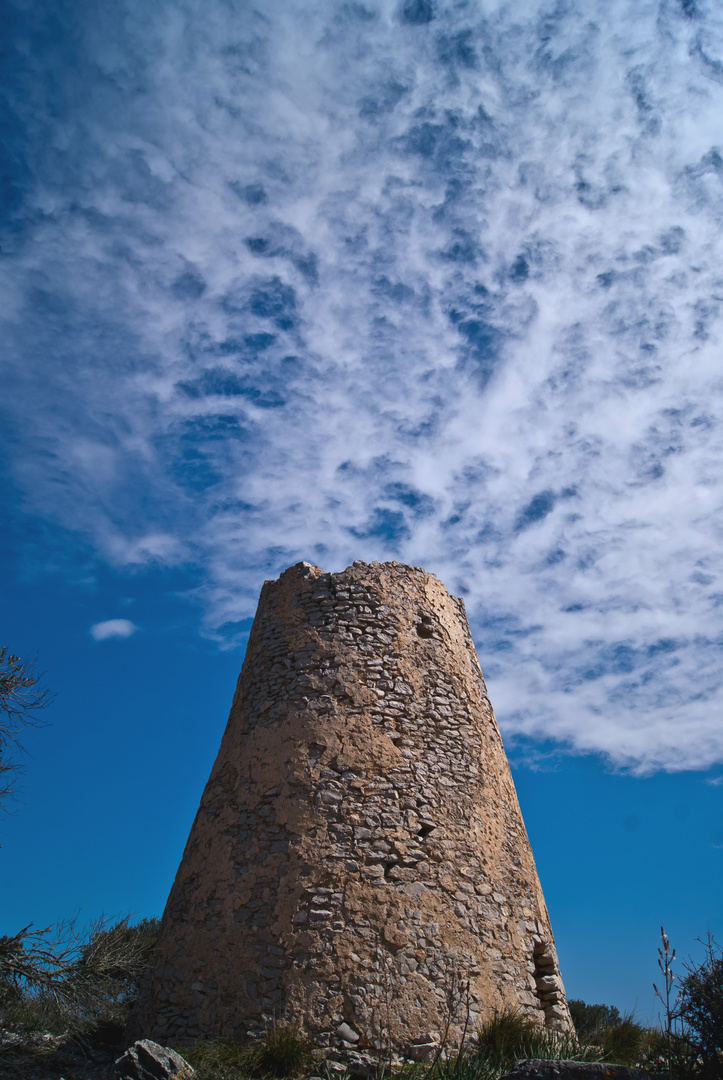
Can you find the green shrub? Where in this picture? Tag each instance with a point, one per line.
(619, 1039)
(701, 1010)
(684, 1061)
(589, 1020)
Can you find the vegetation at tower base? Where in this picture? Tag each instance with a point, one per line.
(491, 1053)
(507, 1042)
(359, 857)
(100, 973)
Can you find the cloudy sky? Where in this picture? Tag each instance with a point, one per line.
(413, 279)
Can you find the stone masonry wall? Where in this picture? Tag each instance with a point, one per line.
(359, 855)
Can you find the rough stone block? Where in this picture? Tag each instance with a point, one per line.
(147, 1060)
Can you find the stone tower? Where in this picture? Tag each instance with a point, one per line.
(359, 856)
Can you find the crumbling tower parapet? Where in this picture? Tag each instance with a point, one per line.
(359, 853)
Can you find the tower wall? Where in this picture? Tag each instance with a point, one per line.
(359, 854)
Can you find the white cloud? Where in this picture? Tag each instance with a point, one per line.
(328, 285)
(112, 628)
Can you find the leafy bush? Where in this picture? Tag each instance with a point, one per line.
(589, 1020)
(676, 1056)
(701, 1010)
(618, 1039)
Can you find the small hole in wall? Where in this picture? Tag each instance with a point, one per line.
(426, 830)
(425, 628)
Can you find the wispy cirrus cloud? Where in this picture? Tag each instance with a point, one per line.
(393, 280)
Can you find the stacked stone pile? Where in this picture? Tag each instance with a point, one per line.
(548, 984)
(359, 857)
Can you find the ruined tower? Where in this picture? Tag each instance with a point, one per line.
(359, 854)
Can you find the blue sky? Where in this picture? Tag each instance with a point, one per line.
(438, 282)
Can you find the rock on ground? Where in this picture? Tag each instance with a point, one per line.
(147, 1060)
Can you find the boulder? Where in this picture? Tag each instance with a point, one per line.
(146, 1060)
(573, 1070)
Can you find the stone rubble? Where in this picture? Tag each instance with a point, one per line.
(42, 1056)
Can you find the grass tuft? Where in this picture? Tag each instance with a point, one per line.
(511, 1036)
(282, 1053)
(624, 1042)
(219, 1059)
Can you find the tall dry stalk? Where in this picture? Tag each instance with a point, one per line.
(666, 956)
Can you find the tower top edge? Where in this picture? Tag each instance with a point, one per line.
(358, 567)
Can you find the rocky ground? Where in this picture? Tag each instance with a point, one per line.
(49, 1057)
